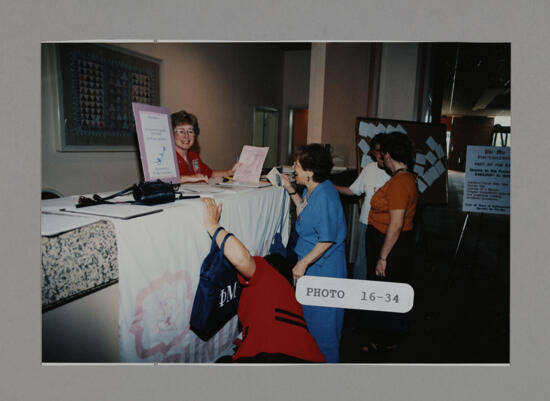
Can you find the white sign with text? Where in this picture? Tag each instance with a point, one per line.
(487, 180)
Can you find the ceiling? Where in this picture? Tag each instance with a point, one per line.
(476, 79)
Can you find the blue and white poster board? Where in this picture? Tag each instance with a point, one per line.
(487, 180)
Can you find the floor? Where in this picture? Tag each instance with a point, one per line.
(461, 310)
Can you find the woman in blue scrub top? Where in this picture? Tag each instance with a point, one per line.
(320, 247)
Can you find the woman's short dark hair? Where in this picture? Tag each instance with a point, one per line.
(317, 158)
(182, 117)
(378, 139)
(400, 147)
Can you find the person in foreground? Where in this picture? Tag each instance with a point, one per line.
(321, 229)
(389, 240)
(274, 329)
(191, 166)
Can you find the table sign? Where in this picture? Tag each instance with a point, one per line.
(156, 143)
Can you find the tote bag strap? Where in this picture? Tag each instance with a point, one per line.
(213, 246)
(282, 212)
(222, 246)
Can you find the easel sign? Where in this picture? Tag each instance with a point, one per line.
(487, 180)
(156, 143)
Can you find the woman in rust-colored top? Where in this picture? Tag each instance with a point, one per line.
(389, 238)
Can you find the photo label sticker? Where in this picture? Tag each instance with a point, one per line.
(355, 294)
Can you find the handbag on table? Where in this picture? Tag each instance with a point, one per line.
(217, 296)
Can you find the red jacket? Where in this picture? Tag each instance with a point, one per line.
(272, 318)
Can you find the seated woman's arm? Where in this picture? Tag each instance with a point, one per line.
(193, 178)
(234, 249)
(225, 173)
(397, 219)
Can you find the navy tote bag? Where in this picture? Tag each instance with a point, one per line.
(217, 296)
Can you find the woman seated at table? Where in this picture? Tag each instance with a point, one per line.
(321, 248)
(274, 329)
(191, 166)
(389, 239)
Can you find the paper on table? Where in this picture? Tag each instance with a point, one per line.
(53, 224)
(439, 151)
(364, 146)
(251, 162)
(420, 158)
(431, 143)
(274, 177)
(418, 169)
(431, 158)
(200, 189)
(235, 184)
(119, 211)
(53, 205)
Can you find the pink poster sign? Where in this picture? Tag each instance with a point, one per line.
(156, 143)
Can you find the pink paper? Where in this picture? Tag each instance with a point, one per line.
(251, 162)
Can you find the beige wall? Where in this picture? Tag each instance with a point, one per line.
(316, 93)
(339, 88)
(398, 76)
(346, 90)
(220, 83)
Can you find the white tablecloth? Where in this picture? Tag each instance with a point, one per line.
(159, 259)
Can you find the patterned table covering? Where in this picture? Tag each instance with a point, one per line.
(78, 262)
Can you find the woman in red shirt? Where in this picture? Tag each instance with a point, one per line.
(191, 166)
(274, 329)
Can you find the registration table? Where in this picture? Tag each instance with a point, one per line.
(147, 270)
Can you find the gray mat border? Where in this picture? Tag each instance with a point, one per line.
(25, 24)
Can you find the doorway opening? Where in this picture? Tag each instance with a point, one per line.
(266, 133)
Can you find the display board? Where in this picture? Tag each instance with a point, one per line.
(156, 143)
(487, 180)
(97, 85)
(431, 157)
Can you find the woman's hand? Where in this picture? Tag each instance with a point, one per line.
(286, 183)
(381, 268)
(210, 214)
(234, 168)
(299, 270)
(194, 178)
